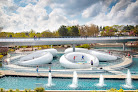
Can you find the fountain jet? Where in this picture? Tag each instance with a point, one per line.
(128, 80)
(49, 80)
(101, 81)
(75, 80)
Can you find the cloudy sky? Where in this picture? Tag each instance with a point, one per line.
(40, 15)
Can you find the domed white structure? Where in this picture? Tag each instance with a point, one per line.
(38, 57)
(102, 56)
(68, 50)
(52, 51)
(78, 60)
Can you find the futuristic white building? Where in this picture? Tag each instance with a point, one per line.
(79, 60)
(39, 57)
(102, 56)
(68, 50)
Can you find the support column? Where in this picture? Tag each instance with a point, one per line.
(73, 47)
(123, 46)
(51, 46)
(32, 48)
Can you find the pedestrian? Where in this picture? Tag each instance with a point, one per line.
(34, 37)
(109, 52)
(128, 55)
(49, 69)
(91, 62)
(82, 57)
(37, 69)
(74, 58)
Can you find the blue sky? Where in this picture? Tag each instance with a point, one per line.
(41, 15)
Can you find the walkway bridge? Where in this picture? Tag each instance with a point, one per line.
(61, 41)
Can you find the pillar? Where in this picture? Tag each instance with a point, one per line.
(73, 47)
(51, 46)
(123, 46)
(32, 48)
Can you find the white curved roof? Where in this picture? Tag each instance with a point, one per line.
(68, 50)
(102, 56)
(52, 51)
(36, 59)
(68, 60)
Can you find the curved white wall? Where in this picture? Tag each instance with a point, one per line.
(102, 56)
(68, 50)
(68, 61)
(36, 59)
(52, 51)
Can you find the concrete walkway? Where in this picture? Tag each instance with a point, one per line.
(13, 73)
(127, 61)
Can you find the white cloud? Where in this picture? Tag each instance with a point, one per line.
(126, 14)
(35, 17)
(28, 1)
(121, 5)
(93, 10)
(72, 7)
(64, 12)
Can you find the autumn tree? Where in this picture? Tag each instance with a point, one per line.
(83, 30)
(92, 30)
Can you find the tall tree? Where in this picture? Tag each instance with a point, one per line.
(3, 34)
(83, 30)
(128, 28)
(74, 31)
(92, 30)
(63, 31)
(32, 33)
(47, 33)
(118, 27)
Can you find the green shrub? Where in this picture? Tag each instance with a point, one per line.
(115, 90)
(39, 89)
(17, 90)
(1, 56)
(29, 90)
(84, 46)
(94, 91)
(10, 90)
(1, 90)
(25, 90)
(120, 90)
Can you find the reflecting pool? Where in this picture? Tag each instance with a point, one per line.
(61, 83)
